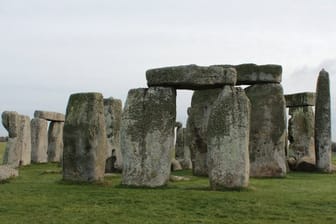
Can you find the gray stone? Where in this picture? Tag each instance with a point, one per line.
(49, 116)
(250, 74)
(11, 121)
(7, 172)
(267, 130)
(112, 111)
(191, 77)
(323, 123)
(300, 99)
(39, 140)
(228, 140)
(301, 133)
(201, 104)
(175, 165)
(24, 140)
(84, 138)
(186, 161)
(55, 141)
(333, 146)
(147, 136)
(18, 148)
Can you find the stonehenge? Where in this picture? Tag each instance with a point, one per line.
(84, 138)
(231, 133)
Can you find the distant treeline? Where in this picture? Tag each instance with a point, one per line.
(3, 139)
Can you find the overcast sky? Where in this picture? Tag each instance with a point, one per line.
(52, 48)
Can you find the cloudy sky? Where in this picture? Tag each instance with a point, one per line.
(50, 49)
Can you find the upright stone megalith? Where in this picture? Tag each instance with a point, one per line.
(25, 140)
(301, 151)
(228, 140)
(11, 121)
(18, 148)
(55, 141)
(182, 152)
(39, 140)
(201, 104)
(84, 138)
(147, 136)
(267, 130)
(323, 123)
(112, 111)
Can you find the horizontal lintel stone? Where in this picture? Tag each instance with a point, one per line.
(191, 77)
(300, 99)
(49, 116)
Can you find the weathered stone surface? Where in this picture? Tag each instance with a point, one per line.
(11, 121)
(49, 116)
(175, 165)
(250, 74)
(267, 130)
(84, 138)
(182, 152)
(147, 136)
(300, 99)
(228, 140)
(24, 140)
(39, 140)
(7, 172)
(186, 161)
(18, 147)
(201, 104)
(301, 133)
(305, 164)
(323, 123)
(55, 141)
(112, 111)
(191, 77)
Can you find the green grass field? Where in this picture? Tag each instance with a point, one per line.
(38, 196)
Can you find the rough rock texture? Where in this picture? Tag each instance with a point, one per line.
(147, 136)
(191, 77)
(301, 133)
(186, 162)
(112, 111)
(267, 130)
(39, 140)
(84, 138)
(55, 141)
(249, 74)
(24, 140)
(7, 172)
(228, 140)
(11, 121)
(18, 147)
(201, 104)
(49, 116)
(323, 123)
(300, 99)
(175, 165)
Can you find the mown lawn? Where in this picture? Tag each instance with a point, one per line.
(38, 196)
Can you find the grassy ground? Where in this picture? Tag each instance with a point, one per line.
(38, 196)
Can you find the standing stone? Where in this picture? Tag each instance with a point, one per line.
(11, 121)
(201, 104)
(24, 140)
(39, 140)
(228, 140)
(267, 130)
(301, 135)
(186, 163)
(179, 145)
(323, 123)
(147, 136)
(84, 137)
(55, 141)
(112, 111)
